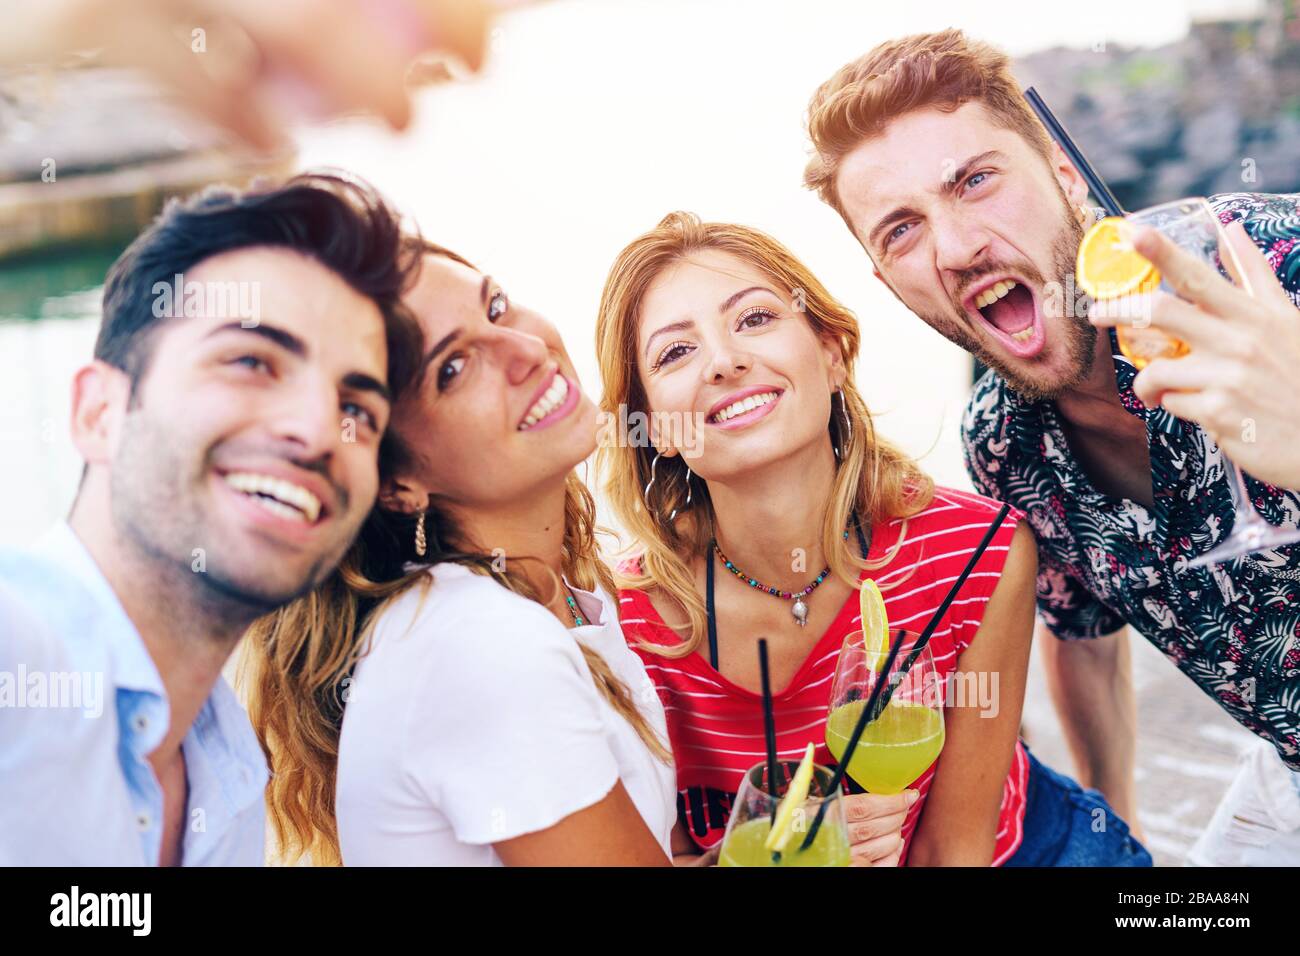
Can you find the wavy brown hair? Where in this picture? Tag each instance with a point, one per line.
(943, 70)
(297, 662)
(874, 480)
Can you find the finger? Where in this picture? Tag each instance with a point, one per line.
(462, 28)
(1213, 410)
(1191, 278)
(1191, 373)
(1165, 312)
(221, 94)
(892, 860)
(1134, 309)
(878, 827)
(344, 50)
(865, 806)
(866, 854)
(1248, 265)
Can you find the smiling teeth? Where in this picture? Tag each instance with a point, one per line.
(276, 495)
(548, 403)
(744, 405)
(993, 293)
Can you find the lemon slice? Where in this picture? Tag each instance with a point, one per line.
(875, 623)
(1108, 266)
(778, 838)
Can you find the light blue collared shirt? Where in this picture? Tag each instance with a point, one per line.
(81, 707)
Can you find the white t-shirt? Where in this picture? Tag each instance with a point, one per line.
(473, 719)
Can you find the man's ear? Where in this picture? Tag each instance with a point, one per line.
(100, 397)
(399, 494)
(1073, 184)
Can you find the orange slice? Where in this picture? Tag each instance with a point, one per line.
(1108, 266)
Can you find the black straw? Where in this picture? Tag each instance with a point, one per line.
(1096, 185)
(769, 724)
(924, 639)
(868, 714)
(769, 729)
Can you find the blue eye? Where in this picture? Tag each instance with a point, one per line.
(252, 363)
(355, 411)
(897, 232)
(978, 176)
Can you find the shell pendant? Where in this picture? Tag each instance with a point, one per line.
(800, 612)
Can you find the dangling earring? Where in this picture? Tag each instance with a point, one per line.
(688, 495)
(645, 492)
(848, 425)
(421, 545)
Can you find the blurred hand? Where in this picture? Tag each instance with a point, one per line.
(248, 65)
(875, 824)
(1239, 381)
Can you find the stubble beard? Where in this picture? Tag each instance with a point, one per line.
(157, 514)
(1077, 334)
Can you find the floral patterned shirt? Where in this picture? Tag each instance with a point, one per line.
(1105, 561)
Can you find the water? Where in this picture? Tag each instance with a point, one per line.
(49, 316)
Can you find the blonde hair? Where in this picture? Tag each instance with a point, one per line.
(297, 662)
(943, 70)
(874, 480)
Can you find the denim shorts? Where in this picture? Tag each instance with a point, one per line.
(1066, 825)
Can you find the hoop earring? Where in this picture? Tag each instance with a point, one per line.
(672, 516)
(645, 492)
(421, 544)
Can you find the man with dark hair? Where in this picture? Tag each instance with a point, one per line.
(251, 346)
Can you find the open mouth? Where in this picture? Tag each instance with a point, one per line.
(282, 498)
(748, 406)
(1009, 309)
(554, 403)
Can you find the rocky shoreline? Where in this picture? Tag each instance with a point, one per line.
(1218, 111)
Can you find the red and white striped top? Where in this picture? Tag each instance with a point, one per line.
(716, 727)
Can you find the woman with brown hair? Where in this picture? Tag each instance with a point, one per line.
(740, 357)
(459, 691)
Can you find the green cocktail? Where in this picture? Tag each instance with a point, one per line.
(794, 802)
(894, 750)
(744, 847)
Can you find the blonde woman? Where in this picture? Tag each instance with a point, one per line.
(460, 692)
(739, 357)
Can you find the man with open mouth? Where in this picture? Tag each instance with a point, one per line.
(973, 217)
(230, 459)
